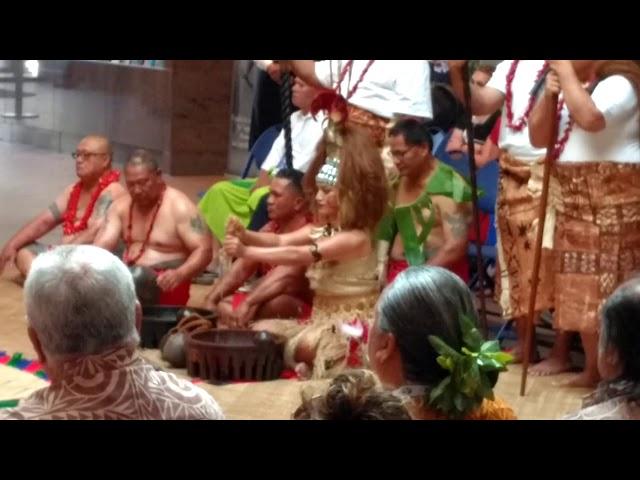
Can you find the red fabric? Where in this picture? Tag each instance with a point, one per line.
(485, 220)
(239, 298)
(177, 296)
(494, 136)
(395, 268)
(460, 268)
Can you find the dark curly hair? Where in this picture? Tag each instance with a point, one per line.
(353, 395)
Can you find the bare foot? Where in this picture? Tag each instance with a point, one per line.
(581, 380)
(550, 366)
(303, 371)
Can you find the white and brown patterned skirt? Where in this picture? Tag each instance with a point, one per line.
(597, 238)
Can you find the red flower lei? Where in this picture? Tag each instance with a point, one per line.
(129, 241)
(508, 97)
(69, 217)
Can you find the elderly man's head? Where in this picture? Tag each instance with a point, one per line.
(93, 156)
(80, 300)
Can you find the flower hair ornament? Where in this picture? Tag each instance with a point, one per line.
(472, 371)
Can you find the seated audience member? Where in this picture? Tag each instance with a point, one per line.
(240, 198)
(282, 291)
(83, 321)
(352, 395)
(161, 228)
(618, 395)
(425, 346)
(81, 208)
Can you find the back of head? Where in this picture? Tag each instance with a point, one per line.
(424, 301)
(354, 395)
(620, 328)
(80, 300)
(430, 313)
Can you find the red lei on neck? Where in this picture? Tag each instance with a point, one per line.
(508, 97)
(69, 217)
(129, 241)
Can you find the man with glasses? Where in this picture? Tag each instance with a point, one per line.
(81, 208)
(431, 213)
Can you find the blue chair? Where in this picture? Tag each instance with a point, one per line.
(258, 153)
(487, 178)
(261, 148)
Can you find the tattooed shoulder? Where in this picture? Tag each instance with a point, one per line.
(459, 223)
(103, 204)
(198, 225)
(55, 211)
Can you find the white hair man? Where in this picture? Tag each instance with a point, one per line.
(83, 322)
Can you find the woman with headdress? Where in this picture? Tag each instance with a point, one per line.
(350, 188)
(425, 345)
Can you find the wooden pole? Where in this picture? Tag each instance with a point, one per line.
(535, 277)
(474, 196)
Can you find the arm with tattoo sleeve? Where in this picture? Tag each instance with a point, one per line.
(455, 225)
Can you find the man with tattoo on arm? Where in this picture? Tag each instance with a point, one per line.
(161, 228)
(432, 211)
(81, 208)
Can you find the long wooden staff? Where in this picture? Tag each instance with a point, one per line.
(542, 214)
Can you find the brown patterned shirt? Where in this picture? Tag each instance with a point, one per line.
(118, 385)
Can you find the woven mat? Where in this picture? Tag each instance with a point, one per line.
(272, 400)
(16, 384)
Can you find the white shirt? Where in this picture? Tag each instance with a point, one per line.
(263, 64)
(305, 135)
(389, 88)
(619, 141)
(517, 143)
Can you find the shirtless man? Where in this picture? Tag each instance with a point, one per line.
(432, 210)
(81, 208)
(283, 290)
(161, 229)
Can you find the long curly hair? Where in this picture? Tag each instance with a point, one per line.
(362, 183)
